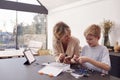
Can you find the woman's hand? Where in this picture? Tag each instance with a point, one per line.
(67, 60)
(61, 57)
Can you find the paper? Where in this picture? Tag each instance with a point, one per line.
(63, 66)
(58, 65)
(54, 68)
(51, 70)
(76, 75)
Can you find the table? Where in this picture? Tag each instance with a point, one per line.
(14, 69)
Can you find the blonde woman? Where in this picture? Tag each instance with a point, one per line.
(65, 46)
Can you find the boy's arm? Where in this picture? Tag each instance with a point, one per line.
(98, 64)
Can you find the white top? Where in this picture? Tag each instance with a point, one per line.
(98, 53)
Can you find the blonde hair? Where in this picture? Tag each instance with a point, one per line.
(60, 29)
(94, 30)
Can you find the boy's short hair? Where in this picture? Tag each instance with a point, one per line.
(94, 30)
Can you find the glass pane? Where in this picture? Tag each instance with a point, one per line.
(7, 23)
(31, 26)
(18, 28)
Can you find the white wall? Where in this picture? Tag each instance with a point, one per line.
(82, 14)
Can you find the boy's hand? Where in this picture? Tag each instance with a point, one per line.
(83, 59)
(74, 59)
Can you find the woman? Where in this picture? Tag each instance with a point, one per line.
(65, 46)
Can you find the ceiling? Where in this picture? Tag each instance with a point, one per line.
(49, 4)
(52, 4)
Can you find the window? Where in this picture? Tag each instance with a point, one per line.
(17, 28)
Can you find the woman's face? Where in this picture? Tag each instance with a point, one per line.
(66, 37)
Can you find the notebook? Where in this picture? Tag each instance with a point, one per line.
(50, 70)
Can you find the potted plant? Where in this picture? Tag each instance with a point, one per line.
(106, 26)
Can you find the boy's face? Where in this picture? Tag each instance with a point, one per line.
(92, 40)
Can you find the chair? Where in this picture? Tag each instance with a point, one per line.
(35, 46)
(42, 52)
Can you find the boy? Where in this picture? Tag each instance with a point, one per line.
(94, 56)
